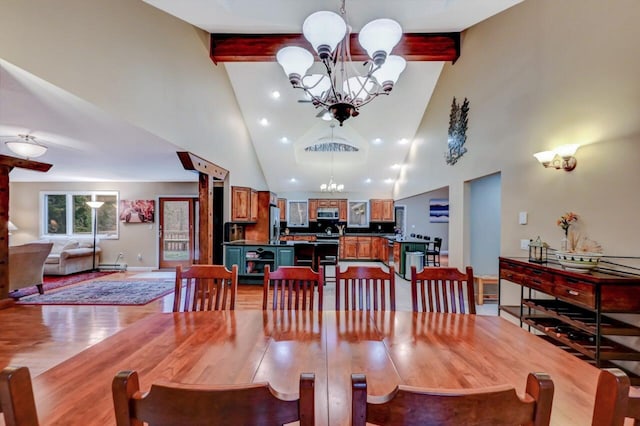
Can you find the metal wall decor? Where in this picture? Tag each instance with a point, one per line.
(457, 131)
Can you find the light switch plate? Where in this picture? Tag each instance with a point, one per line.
(522, 218)
(524, 244)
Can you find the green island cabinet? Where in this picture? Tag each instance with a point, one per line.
(407, 246)
(251, 260)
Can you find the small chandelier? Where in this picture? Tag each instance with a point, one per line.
(343, 89)
(26, 146)
(331, 186)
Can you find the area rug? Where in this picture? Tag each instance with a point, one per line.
(104, 293)
(51, 282)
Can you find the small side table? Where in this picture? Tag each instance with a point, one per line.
(481, 280)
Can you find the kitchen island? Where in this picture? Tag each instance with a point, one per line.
(252, 256)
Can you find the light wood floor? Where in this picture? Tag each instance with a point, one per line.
(41, 336)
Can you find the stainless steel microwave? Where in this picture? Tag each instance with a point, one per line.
(328, 213)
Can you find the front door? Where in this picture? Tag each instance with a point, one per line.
(178, 223)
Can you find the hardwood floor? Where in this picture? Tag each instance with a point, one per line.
(41, 336)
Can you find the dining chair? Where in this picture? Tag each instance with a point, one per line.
(432, 255)
(207, 288)
(366, 288)
(256, 403)
(497, 405)
(442, 289)
(293, 287)
(16, 397)
(613, 403)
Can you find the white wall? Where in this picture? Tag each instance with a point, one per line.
(484, 224)
(417, 216)
(539, 75)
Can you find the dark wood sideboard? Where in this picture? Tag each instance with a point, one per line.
(569, 309)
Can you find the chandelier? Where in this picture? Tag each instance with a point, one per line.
(26, 146)
(344, 88)
(331, 186)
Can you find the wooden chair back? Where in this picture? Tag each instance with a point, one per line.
(207, 288)
(256, 403)
(441, 289)
(293, 287)
(16, 397)
(498, 405)
(613, 403)
(365, 288)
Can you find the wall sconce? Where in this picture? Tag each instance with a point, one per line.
(561, 158)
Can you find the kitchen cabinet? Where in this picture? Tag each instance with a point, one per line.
(358, 214)
(396, 255)
(297, 214)
(342, 210)
(569, 309)
(313, 210)
(355, 248)
(382, 210)
(251, 260)
(282, 205)
(241, 209)
(253, 215)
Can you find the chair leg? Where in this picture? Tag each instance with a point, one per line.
(40, 288)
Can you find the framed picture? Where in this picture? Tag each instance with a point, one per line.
(439, 210)
(137, 211)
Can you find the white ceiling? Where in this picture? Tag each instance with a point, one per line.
(86, 144)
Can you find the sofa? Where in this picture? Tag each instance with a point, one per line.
(69, 256)
(26, 265)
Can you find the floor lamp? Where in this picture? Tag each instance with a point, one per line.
(95, 205)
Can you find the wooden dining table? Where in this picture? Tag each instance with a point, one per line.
(447, 351)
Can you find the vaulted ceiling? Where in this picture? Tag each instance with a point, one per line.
(383, 131)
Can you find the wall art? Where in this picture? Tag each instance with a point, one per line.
(439, 210)
(457, 131)
(137, 211)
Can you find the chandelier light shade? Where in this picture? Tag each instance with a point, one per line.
(26, 146)
(332, 186)
(343, 88)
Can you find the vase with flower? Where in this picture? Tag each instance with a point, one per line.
(565, 221)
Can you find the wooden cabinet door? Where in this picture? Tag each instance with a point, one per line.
(342, 210)
(364, 248)
(313, 210)
(350, 247)
(376, 210)
(241, 204)
(253, 216)
(282, 205)
(388, 211)
(396, 255)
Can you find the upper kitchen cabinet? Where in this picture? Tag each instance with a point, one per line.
(282, 205)
(298, 214)
(358, 214)
(253, 212)
(342, 210)
(241, 209)
(313, 210)
(382, 210)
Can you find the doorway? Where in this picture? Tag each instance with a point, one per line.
(178, 231)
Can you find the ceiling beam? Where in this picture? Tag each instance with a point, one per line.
(263, 47)
(192, 162)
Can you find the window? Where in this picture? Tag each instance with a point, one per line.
(67, 214)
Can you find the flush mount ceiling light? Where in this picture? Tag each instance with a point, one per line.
(343, 89)
(26, 146)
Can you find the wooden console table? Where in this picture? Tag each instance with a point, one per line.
(569, 309)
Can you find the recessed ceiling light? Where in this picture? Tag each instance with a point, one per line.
(377, 141)
(388, 180)
(264, 121)
(284, 139)
(292, 180)
(367, 180)
(403, 141)
(275, 94)
(396, 166)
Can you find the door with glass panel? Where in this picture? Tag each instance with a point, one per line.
(176, 232)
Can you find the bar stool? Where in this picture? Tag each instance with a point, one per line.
(329, 260)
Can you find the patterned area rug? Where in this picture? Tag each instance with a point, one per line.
(104, 293)
(51, 282)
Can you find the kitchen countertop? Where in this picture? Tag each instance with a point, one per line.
(280, 244)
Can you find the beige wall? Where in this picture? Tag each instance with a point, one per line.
(137, 63)
(537, 76)
(25, 207)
